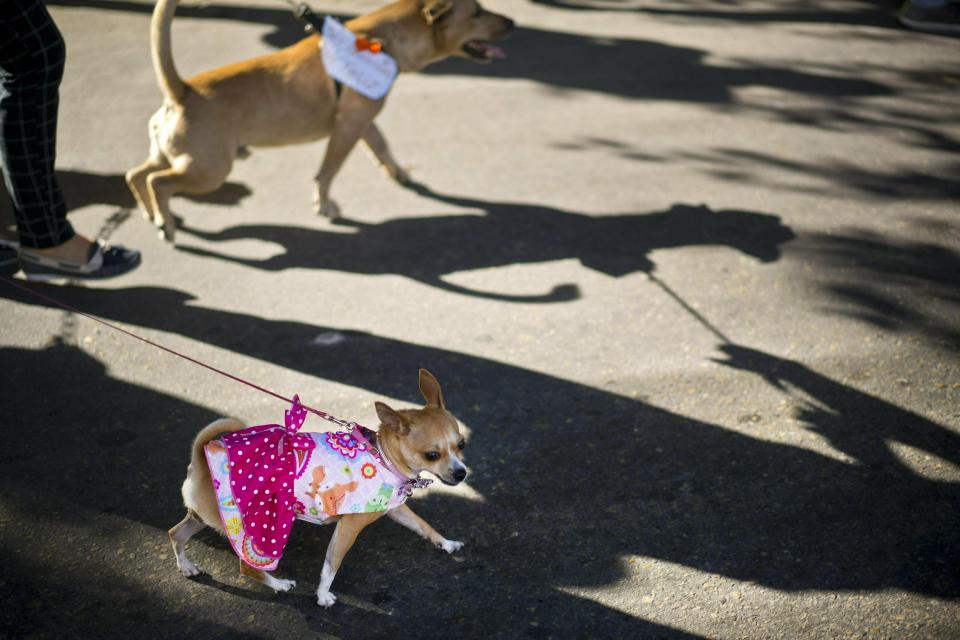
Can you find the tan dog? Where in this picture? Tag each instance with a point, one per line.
(288, 98)
(413, 440)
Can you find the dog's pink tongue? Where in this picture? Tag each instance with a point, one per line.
(493, 51)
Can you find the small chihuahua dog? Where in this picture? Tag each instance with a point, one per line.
(410, 441)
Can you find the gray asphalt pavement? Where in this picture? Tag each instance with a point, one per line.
(687, 271)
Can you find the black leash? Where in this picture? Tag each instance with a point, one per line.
(306, 15)
(313, 22)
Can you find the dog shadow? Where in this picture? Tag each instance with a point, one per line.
(86, 188)
(427, 249)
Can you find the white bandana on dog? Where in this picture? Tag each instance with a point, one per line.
(356, 62)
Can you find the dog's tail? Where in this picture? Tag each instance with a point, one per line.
(198, 461)
(197, 490)
(171, 84)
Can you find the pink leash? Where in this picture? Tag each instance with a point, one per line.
(326, 416)
(355, 428)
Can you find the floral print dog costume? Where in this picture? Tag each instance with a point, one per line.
(266, 476)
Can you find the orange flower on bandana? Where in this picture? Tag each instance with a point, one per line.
(368, 471)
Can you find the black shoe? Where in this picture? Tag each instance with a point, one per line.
(942, 19)
(103, 262)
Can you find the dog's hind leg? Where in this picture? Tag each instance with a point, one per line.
(163, 184)
(137, 182)
(267, 580)
(179, 535)
(157, 160)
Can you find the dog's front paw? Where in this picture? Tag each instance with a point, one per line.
(325, 598)
(450, 546)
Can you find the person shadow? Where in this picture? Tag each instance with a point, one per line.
(427, 249)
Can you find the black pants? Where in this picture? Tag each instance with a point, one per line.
(32, 55)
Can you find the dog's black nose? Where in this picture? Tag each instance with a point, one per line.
(510, 25)
(459, 475)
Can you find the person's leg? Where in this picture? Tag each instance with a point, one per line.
(32, 56)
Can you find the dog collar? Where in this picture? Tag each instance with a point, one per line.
(407, 485)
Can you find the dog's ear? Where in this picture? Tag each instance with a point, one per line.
(430, 389)
(433, 10)
(391, 419)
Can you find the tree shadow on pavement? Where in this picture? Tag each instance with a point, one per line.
(427, 249)
(618, 66)
(644, 69)
(591, 5)
(869, 13)
(832, 177)
(863, 13)
(897, 285)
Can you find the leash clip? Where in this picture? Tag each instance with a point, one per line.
(416, 483)
(306, 15)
